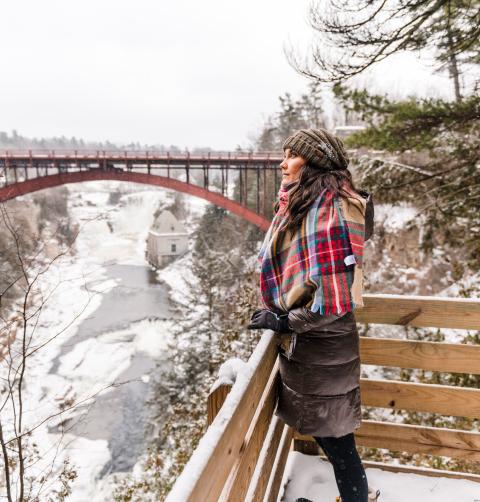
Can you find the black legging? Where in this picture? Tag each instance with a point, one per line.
(347, 466)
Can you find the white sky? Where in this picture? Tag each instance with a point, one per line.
(184, 72)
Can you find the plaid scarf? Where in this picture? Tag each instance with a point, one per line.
(317, 263)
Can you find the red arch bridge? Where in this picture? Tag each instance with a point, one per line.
(243, 183)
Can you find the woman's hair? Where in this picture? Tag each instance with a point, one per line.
(312, 181)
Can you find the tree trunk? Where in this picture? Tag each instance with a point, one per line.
(453, 63)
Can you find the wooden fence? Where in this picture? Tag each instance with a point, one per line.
(243, 453)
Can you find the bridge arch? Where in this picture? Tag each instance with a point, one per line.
(54, 180)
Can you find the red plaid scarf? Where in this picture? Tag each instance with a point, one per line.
(318, 262)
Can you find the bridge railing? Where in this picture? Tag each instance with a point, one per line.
(60, 153)
(243, 452)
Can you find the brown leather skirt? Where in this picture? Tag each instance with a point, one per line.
(319, 391)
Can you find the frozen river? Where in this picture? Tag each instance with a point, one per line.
(119, 416)
(109, 323)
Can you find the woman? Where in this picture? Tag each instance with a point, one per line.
(311, 281)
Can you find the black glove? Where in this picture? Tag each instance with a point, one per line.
(266, 319)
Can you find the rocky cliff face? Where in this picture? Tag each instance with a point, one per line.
(395, 261)
(36, 224)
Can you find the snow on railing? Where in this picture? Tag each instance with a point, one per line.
(204, 475)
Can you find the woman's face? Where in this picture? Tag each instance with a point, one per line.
(291, 166)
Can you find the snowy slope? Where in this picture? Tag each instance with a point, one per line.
(77, 285)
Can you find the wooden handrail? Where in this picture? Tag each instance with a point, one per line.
(416, 439)
(420, 311)
(432, 398)
(431, 356)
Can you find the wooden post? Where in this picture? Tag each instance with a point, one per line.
(215, 401)
(305, 447)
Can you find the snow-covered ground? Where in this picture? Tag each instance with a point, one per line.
(394, 217)
(311, 477)
(99, 336)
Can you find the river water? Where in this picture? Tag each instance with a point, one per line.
(119, 416)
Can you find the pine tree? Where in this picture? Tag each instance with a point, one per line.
(210, 328)
(442, 180)
(353, 35)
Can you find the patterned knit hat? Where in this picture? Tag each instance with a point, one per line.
(319, 148)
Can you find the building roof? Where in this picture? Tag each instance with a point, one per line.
(166, 223)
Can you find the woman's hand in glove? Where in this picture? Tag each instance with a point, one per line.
(266, 319)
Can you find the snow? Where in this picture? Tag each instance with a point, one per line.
(130, 222)
(313, 478)
(109, 234)
(67, 301)
(86, 357)
(394, 217)
(228, 372)
(98, 454)
(176, 276)
(147, 334)
(471, 283)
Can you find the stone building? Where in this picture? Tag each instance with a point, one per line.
(167, 240)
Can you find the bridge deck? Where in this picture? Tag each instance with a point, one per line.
(29, 158)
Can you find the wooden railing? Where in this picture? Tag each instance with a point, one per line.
(243, 453)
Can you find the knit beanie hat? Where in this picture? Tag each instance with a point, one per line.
(319, 148)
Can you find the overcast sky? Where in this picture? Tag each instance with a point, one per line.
(184, 72)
